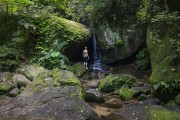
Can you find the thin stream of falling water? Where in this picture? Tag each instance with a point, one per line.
(96, 55)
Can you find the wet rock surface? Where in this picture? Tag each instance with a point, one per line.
(57, 103)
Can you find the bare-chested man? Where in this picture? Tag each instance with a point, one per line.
(85, 57)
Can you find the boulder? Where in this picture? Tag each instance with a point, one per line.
(173, 106)
(143, 97)
(14, 92)
(177, 99)
(151, 101)
(170, 103)
(68, 78)
(57, 103)
(5, 88)
(126, 93)
(6, 76)
(20, 80)
(77, 36)
(94, 84)
(143, 112)
(146, 89)
(117, 43)
(4, 99)
(78, 69)
(94, 95)
(53, 78)
(164, 59)
(115, 81)
(30, 71)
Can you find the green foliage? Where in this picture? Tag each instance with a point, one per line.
(55, 58)
(144, 11)
(38, 30)
(126, 93)
(113, 82)
(165, 32)
(100, 11)
(161, 113)
(170, 89)
(5, 88)
(60, 7)
(14, 5)
(142, 59)
(166, 17)
(9, 58)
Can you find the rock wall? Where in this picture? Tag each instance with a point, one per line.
(162, 42)
(164, 66)
(120, 43)
(120, 36)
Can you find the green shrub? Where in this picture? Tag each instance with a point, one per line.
(143, 60)
(166, 90)
(55, 58)
(9, 58)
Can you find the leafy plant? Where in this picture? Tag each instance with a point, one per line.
(14, 5)
(55, 58)
(169, 89)
(143, 59)
(9, 58)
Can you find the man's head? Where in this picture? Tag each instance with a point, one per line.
(85, 47)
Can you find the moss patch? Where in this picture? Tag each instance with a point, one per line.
(163, 72)
(161, 43)
(160, 113)
(78, 69)
(126, 93)
(4, 88)
(54, 78)
(113, 82)
(171, 103)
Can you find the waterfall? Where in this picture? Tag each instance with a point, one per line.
(96, 55)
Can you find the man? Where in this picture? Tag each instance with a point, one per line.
(85, 57)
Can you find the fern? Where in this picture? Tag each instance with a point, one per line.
(9, 58)
(54, 58)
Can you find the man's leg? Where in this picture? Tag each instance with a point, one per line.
(86, 65)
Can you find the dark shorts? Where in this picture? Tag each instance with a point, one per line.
(85, 59)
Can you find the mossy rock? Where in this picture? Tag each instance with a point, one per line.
(164, 65)
(54, 78)
(5, 88)
(68, 78)
(126, 93)
(20, 80)
(94, 95)
(78, 69)
(161, 113)
(6, 76)
(119, 42)
(31, 71)
(113, 82)
(76, 34)
(163, 72)
(147, 112)
(177, 99)
(171, 103)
